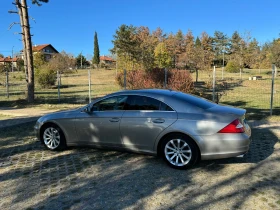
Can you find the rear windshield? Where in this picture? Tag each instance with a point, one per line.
(195, 101)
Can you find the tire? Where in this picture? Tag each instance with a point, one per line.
(179, 151)
(53, 138)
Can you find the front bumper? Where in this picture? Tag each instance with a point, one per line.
(37, 131)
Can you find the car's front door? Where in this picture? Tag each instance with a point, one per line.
(143, 120)
(100, 125)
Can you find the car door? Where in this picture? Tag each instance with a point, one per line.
(143, 120)
(100, 125)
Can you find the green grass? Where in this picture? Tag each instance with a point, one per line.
(251, 95)
(73, 93)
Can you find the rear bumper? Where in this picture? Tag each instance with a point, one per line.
(219, 147)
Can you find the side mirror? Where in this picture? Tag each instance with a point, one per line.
(86, 109)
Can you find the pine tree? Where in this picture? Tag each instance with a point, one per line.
(96, 55)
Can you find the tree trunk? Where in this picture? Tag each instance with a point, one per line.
(29, 54)
(23, 39)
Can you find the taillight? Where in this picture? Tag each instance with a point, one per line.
(234, 127)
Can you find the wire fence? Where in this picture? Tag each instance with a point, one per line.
(256, 90)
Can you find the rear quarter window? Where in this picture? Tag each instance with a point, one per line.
(194, 100)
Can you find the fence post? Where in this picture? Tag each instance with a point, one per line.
(214, 81)
(58, 86)
(240, 73)
(272, 89)
(89, 86)
(124, 82)
(7, 83)
(165, 78)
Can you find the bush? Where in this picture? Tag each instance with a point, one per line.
(232, 67)
(46, 77)
(179, 80)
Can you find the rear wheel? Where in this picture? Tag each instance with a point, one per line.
(179, 151)
(53, 138)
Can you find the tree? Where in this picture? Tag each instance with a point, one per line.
(62, 62)
(126, 44)
(237, 49)
(275, 52)
(197, 42)
(146, 46)
(38, 60)
(220, 43)
(22, 11)
(207, 53)
(20, 64)
(252, 54)
(193, 53)
(81, 61)
(162, 58)
(1, 55)
(96, 56)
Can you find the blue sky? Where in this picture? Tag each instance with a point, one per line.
(70, 25)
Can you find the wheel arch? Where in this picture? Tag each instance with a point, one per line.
(176, 133)
(51, 123)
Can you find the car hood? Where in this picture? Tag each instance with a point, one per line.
(223, 109)
(59, 115)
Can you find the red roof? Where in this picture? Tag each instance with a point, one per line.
(37, 48)
(106, 58)
(8, 59)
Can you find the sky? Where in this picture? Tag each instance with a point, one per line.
(70, 25)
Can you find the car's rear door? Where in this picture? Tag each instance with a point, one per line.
(143, 120)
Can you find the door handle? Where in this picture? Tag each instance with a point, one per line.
(159, 120)
(114, 119)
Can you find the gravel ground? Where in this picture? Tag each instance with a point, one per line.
(32, 177)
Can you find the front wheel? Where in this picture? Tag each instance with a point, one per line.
(179, 151)
(53, 137)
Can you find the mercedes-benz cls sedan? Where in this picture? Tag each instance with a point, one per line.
(179, 127)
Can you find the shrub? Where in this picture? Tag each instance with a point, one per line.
(46, 77)
(232, 67)
(179, 80)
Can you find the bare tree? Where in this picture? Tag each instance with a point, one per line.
(22, 11)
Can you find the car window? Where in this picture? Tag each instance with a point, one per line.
(194, 100)
(145, 103)
(109, 104)
(165, 107)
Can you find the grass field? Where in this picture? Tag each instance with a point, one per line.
(73, 92)
(233, 90)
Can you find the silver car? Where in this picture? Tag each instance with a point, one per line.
(181, 128)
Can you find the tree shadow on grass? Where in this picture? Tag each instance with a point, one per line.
(83, 178)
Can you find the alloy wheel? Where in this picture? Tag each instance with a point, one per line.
(178, 152)
(51, 138)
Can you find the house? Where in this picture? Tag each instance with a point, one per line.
(46, 49)
(9, 61)
(106, 60)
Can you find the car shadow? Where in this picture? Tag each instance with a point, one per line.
(82, 178)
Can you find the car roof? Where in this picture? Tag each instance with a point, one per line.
(162, 92)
